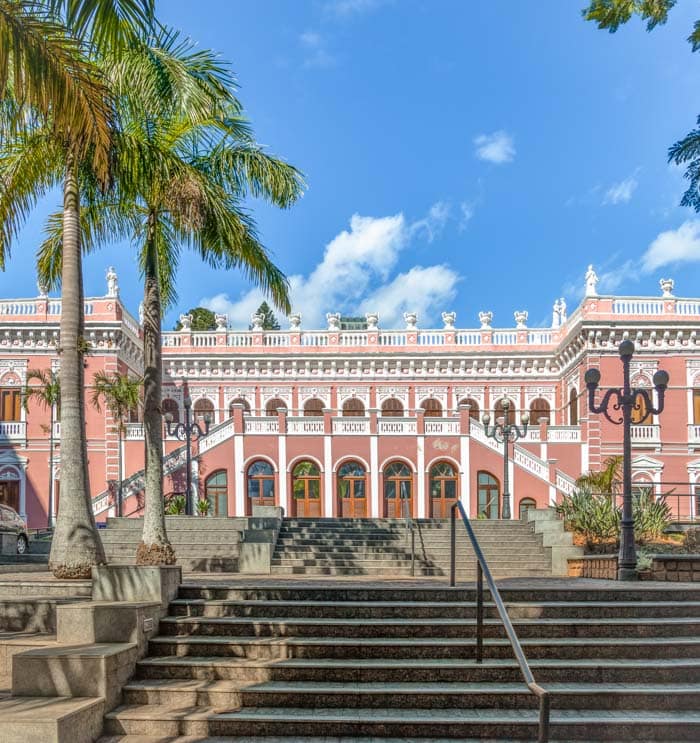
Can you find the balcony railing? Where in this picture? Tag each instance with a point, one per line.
(13, 431)
(564, 434)
(305, 425)
(694, 433)
(442, 427)
(397, 426)
(261, 425)
(650, 434)
(351, 426)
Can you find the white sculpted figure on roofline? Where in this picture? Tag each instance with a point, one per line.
(295, 321)
(559, 313)
(221, 322)
(520, 319)
(591, 282)
(372, 320)
(667, 287)
(186, 322)
(112, 284)
(256, 322)
(43, 289)
(485, 318)
(410, 318)
(333, 319)
(448, 319)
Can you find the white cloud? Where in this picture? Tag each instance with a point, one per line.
(496, 148)
(466, 211)
(346, 8)
(355, 274)
(621, 193)
(674, 246)
(316, 50)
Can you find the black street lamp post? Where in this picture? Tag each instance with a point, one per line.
(504, 433)
(627, 399)
(188, 432)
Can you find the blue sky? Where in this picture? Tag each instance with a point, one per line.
(460, 156)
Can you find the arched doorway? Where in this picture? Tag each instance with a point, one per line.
(216, 492)
(539, 408)
(10, 487)
(313, 408)
(203, 408)
(526, 504)
(352, 490)
(443, 489)
(392, 408)
(473, 407)
(272, 406)
(353, 408)
(238, 401)
(261, 485)
(306, 490)
(432, 407)
(488, 495)
(398, 491)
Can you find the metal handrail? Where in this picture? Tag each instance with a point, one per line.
(410, 527)
(483, 570)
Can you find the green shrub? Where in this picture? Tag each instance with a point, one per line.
(175, 506)
(651, 515)
(203, 507)
(593, 516)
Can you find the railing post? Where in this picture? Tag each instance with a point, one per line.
(413, 552)
(453, 543)
(543, 732)
(479, 613)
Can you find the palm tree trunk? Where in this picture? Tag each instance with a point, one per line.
(76, 545)
(155, 549)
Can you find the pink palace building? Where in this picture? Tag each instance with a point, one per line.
(342, 421)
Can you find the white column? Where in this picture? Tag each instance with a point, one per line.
(420, 464)
(238, 475)
(584, 457)
(552, 495)
(327, 477)
(511, 480)
(23, 492)
(282, 474)
(374, 477)
(464, 480)
(195, 484)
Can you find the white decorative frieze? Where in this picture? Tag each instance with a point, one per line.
(13, 372)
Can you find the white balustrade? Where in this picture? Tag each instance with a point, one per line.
(353, 339)
(397, 426)
(54, 307)
(276, 340)
(540, 337)
(13, 430)
(468, 338)
(565, 483)
(637, 306)
(350, 426)
(505, 337)
(204, 339)
(392, 338)
(130, 323)
(171, 340)
(693, 434)
(261, 425)
(431, 338)
(133, 432)
(18, 307)
(305, 426)
(442, 426)
(314, 339)
(650, 434)
(216, 436)
(687, 307)
(237, 340)
(530, 462)
(533, 435)
(564, 434)
(477, 431)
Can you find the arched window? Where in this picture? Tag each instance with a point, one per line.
(215, 488)
(392, 408)
(432, 407)
(170, 406)
(353, 407)
(573, 407)
(314, 408)
(473, 407)
(398, 490)
(443, 489)
(261, 485)
(352, 490)
(639, 412)
(238, 401)
(539, 408)
(203, 407)
(488, 491)
(306, 489)
(499, 412)
(273, 405)
(526, 504)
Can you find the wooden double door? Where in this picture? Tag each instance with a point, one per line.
(306, 490)
(352, 491)
(398, 491)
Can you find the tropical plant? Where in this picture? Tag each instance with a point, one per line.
(202, 319)
(203, 507)
(593, 516)
(43, 147)
(47, 392)
(175, 506)
(120, 394)
(181, 171)
(269, 320)
(606, 481)
(651, 515)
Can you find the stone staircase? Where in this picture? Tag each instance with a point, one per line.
(364, 661)
(211, 544)
(382, 547)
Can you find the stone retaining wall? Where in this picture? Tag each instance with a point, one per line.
(594, 566)
(676, 567)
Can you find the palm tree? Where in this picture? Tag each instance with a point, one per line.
(47, 392)
(121, 395)
(605, 481)
(181, 172)
(68, 153)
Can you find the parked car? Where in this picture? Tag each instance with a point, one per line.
(12, 523)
